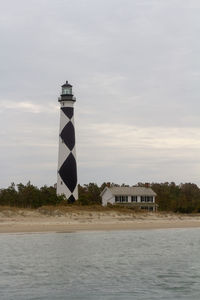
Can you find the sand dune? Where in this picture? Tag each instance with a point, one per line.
(59, 219)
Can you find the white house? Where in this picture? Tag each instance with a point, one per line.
(138, 197)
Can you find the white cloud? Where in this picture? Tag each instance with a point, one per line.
(126, 136)
(135, 70)
(130, 154)
(27, 107)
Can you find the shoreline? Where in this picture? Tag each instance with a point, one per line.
(30, 227)
(61, 220)
(89, 227)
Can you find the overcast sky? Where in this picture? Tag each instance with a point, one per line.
(135, 70)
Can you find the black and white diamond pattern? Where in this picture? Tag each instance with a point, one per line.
(67, 169)
(68, 172)
(68, 111)
(68, 135)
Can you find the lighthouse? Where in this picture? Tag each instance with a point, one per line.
(67, 167)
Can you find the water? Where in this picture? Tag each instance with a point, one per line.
(154, 264)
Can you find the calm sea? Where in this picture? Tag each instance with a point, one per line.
(154, 264)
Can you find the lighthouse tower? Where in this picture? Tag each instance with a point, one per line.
(67, 169)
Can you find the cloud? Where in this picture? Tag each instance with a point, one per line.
(154, 137)
(135, 69)
(126, 140)
(27, 107)
(131, 154)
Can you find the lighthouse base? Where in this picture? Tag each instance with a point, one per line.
(62, 189)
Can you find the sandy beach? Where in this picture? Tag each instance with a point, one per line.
(48, 219)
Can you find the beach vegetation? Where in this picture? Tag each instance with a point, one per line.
(181, 198)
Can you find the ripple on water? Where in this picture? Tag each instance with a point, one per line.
(157, 264)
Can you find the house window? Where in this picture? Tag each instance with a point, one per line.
(125, 198)
(133, 198)
(150, 199)
(121, 199)
(146, 198)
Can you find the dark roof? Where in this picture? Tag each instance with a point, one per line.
(66, 84)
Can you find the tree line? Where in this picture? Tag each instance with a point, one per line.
(183, 198)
